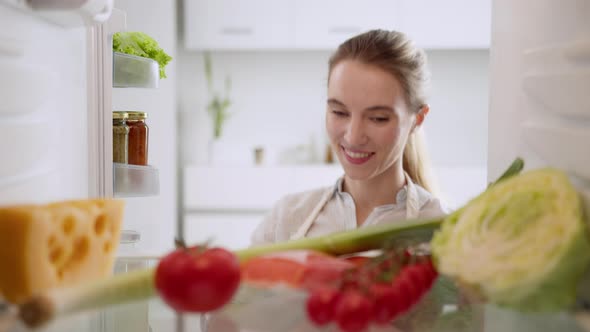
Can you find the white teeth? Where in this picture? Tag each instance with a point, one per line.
(357, 155)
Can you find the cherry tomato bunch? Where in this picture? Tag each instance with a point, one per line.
(376, 291)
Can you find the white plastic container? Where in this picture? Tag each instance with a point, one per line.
(135, 181)
(132, 316)
(130, 71)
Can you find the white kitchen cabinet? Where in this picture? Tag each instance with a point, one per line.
(251, 189)
(225, 204)
(449, 24)
(324, 24)
(233, 188)
(237, 24)
(228, 230)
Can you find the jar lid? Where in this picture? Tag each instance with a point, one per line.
(120, 115)
(135, 115)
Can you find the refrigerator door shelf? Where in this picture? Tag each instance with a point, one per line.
(563, 146)
(10, 46)
(135, 181)
(17, 190)
(565, 93)
(26, 176)
(24, 87)
(23, 146)
(67, 13)
(130, 71)
(565, 55)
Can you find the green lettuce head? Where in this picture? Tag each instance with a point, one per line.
(522, 244)
(140, 44)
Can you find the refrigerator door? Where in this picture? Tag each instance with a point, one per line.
(67, 13)
(43, 103)
(44, 132)
(540, 71)
(540, 107)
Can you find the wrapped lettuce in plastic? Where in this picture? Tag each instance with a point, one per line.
(140, 44)
(522, 244)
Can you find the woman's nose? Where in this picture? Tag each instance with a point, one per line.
(356, 133)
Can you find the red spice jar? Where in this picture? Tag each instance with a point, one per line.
(138, 138)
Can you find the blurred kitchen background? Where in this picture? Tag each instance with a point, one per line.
(269, 58)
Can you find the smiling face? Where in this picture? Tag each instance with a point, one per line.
(367, 119)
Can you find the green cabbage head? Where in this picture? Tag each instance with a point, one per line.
(522, 244)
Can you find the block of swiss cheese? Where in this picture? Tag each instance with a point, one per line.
(58, 244)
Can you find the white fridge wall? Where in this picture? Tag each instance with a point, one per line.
(154, 217)
(540, 56)
(43, 136)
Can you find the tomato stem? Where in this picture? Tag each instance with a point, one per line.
(179, 243)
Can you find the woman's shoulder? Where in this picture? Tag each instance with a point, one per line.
(430, 205)
(287, 215)
(301, 201)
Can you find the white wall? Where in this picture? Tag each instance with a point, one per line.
(155, 217)
(279, 97)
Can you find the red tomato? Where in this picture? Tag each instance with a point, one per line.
(320, 305)
(197, 279)
(419, 276)
(386, 303)
(353, 311)
(408, 293)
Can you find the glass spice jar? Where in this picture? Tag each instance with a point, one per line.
(138, 138)
(120, 137)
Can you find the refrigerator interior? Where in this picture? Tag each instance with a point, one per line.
(537, 108)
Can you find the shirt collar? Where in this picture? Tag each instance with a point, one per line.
(401, 197)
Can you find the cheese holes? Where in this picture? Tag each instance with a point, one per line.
(100, 224)
(55, 255)
(68, 225)
(108, 246)
(81, 247)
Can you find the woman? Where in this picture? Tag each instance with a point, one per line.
(375, 108)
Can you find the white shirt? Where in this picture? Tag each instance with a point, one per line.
(328, 210)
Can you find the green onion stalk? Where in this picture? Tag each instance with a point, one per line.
(139, 285)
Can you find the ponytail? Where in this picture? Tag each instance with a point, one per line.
(416, 162)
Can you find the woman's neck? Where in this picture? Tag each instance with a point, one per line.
(376, 191)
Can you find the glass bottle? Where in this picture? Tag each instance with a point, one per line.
(120, 137)
(138, 138)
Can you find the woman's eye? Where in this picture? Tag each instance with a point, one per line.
(339, 113)
(379, 119)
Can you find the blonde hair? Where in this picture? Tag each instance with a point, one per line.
(393, 52)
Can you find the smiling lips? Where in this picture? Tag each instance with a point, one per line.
(357, 157)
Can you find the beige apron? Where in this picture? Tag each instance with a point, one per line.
(412, 208)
